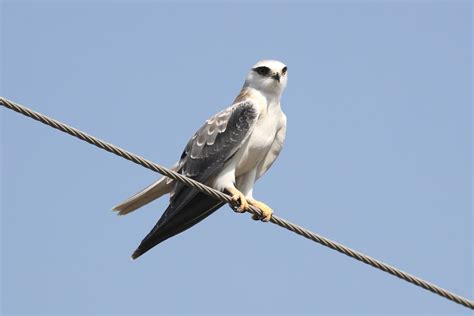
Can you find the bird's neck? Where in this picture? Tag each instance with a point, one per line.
(271, 98)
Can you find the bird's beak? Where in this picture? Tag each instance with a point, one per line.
(276, 77)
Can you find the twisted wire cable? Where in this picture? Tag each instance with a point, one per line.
(226, 198)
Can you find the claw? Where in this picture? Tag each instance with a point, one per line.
(264, 208)
(239, 198)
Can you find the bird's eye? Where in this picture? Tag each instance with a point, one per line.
(283, 71)
(264, 71)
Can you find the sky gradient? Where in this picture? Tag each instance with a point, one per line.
(378, 156)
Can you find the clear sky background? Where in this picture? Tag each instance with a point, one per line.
(377, 157)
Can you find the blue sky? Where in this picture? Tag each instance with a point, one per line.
(378, 156)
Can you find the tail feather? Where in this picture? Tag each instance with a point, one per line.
(178, 218)
(150, 193)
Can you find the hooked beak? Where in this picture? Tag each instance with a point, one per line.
(276, 77)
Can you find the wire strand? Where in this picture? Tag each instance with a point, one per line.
(225, 198)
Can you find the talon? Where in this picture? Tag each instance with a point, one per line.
(264, 208)
(239, 198)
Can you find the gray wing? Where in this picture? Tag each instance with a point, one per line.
(204, 157)
(218, 140)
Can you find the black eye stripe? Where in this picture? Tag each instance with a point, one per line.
(284, 70)
(262, 70)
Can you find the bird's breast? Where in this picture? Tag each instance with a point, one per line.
(259, 143)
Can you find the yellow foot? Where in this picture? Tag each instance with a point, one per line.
(266, 210)
(239, 198)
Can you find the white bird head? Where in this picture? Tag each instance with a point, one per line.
(268, 76)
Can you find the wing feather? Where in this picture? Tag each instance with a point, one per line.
(217, 140)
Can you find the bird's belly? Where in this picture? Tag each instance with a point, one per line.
(255, 150)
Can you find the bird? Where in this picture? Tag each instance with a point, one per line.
(229, 153)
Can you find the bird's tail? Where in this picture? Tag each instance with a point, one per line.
(178, 218)
(150, 193)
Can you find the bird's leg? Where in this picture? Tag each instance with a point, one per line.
(239, 197)
(266, 210)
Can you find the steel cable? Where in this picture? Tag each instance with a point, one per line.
(225, 198)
